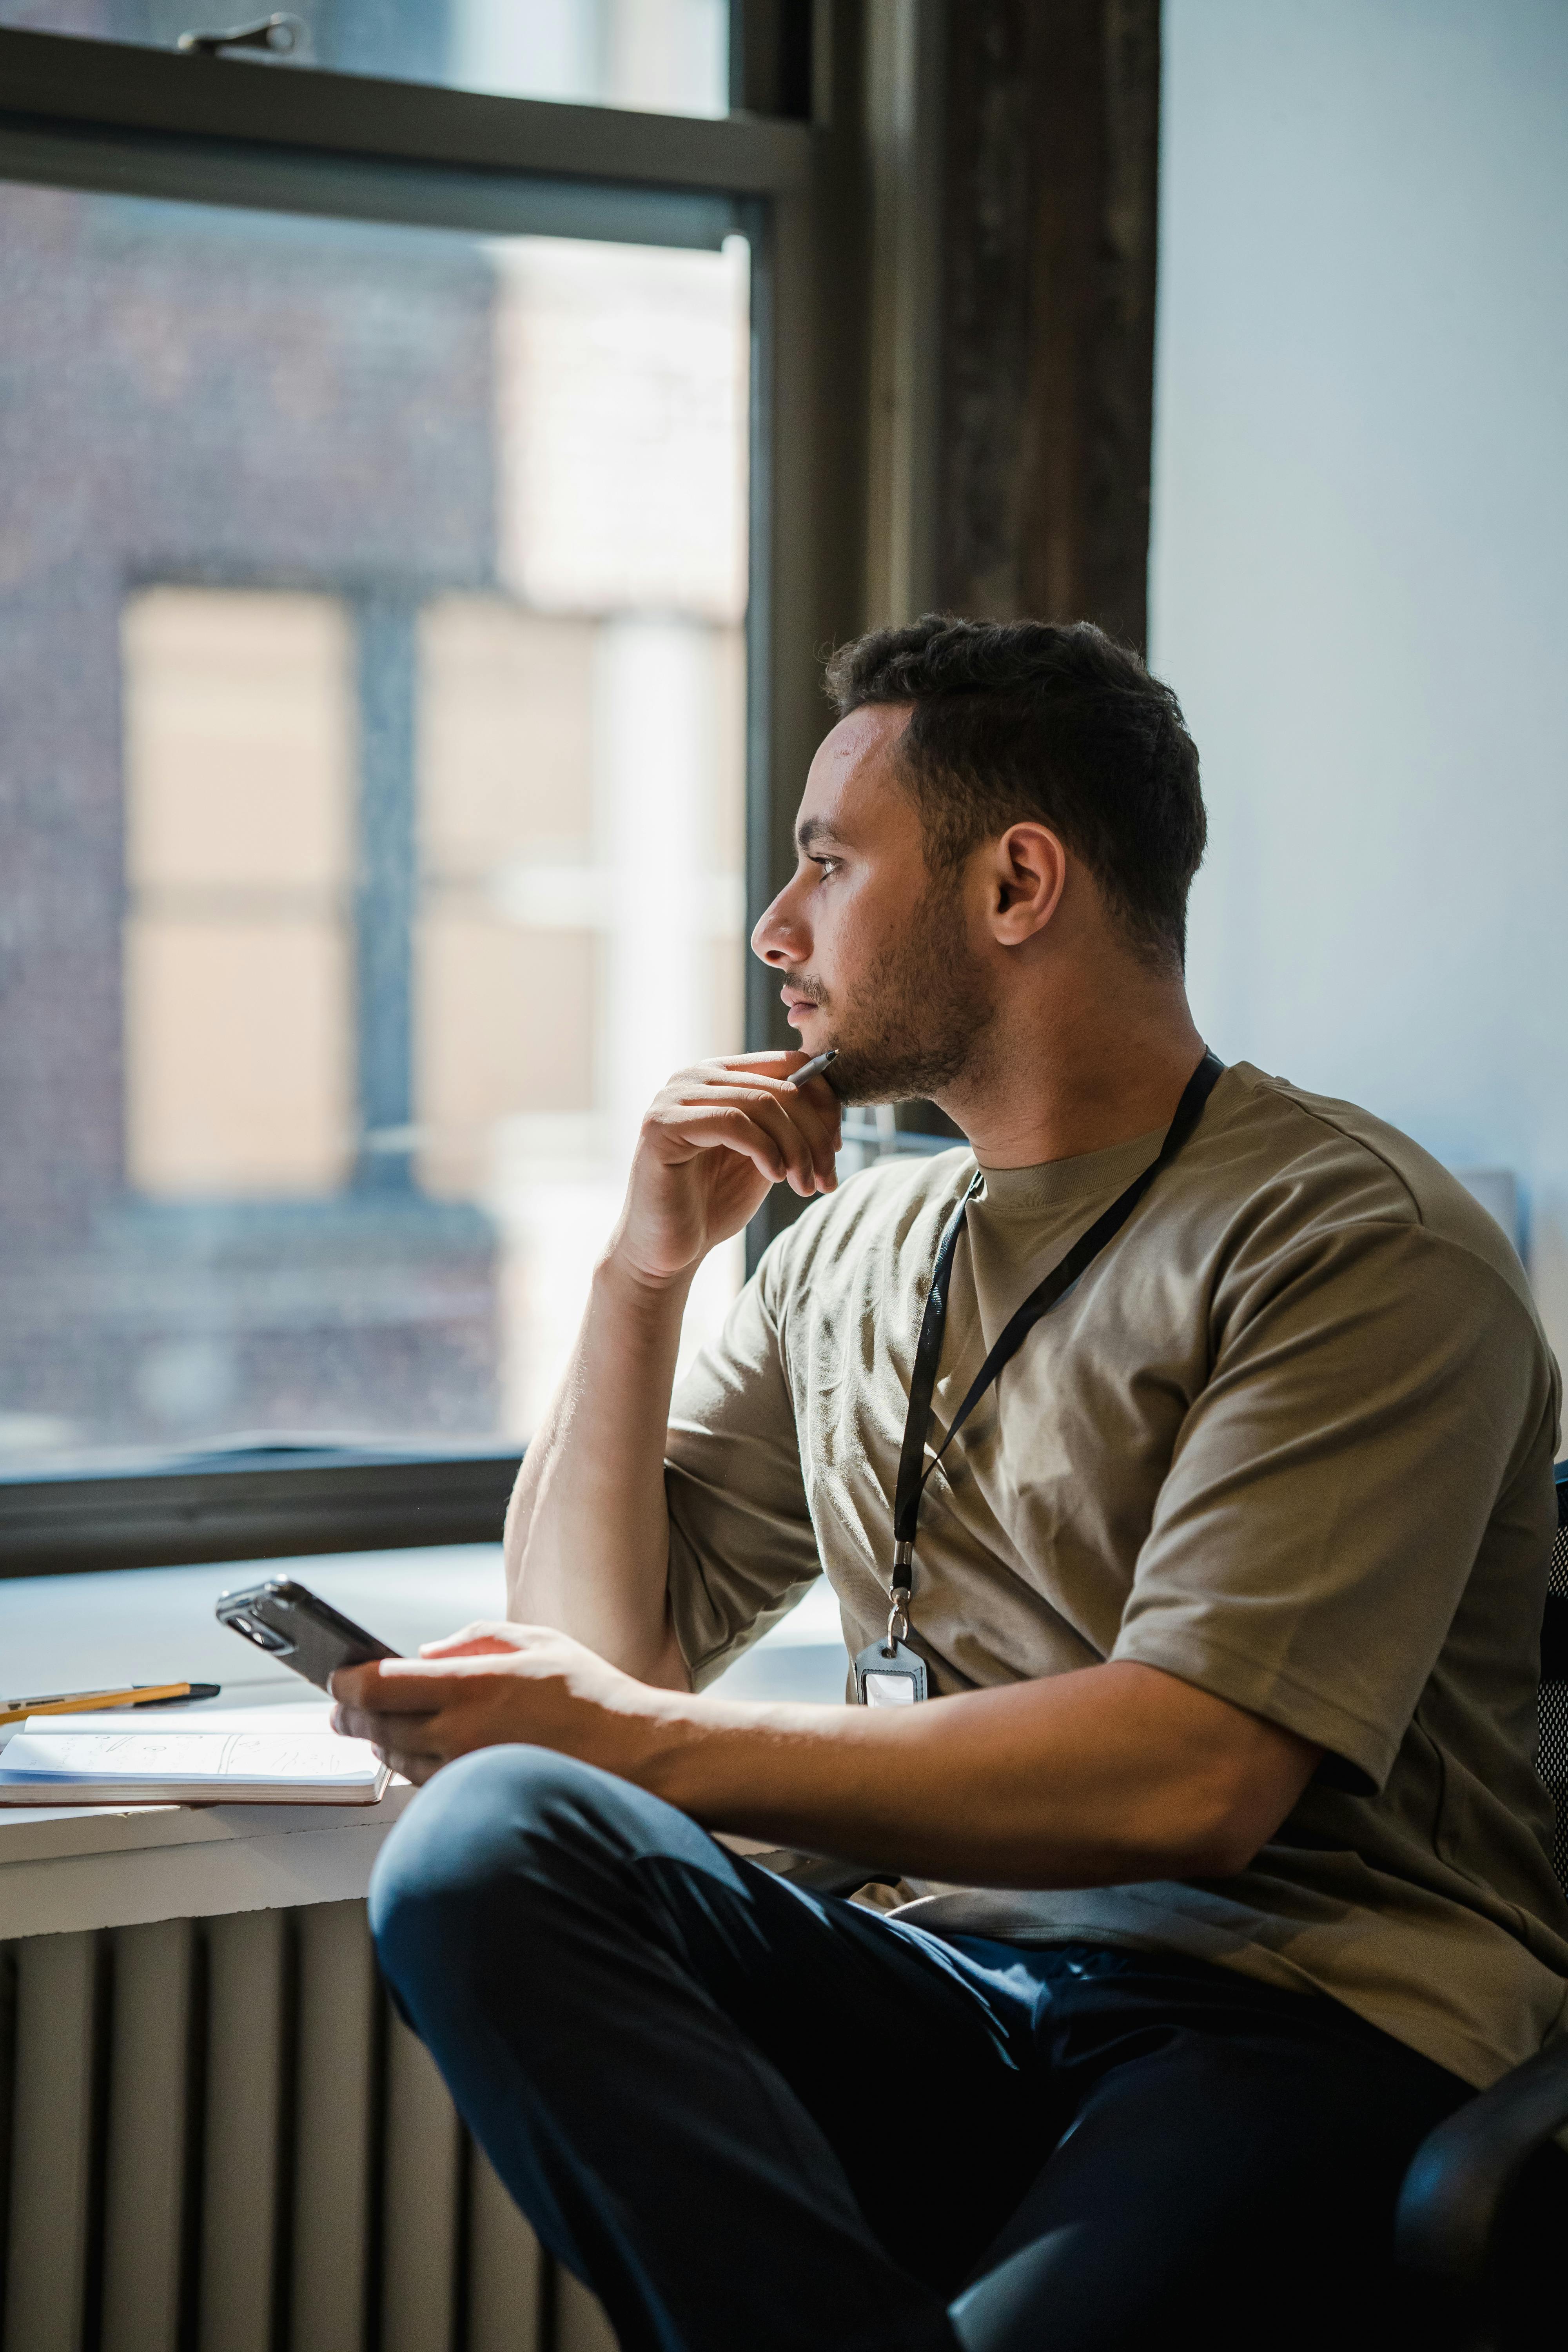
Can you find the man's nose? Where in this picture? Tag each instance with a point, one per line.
(780, 938)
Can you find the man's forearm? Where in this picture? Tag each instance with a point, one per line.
(1110, 1774)
(1096, 1777)
(587, 1538)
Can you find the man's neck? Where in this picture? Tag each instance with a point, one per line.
(1078, 1080)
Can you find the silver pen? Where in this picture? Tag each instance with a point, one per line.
(813, 1068)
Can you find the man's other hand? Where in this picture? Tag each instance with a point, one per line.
(488, 1686)
(714, 1143)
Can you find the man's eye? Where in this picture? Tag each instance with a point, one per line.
(827, 865)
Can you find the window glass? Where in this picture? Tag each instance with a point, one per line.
(373, 684)
(238, 988)
(664, 57)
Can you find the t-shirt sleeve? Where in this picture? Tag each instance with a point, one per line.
(742, 1550)
(1373, 1395)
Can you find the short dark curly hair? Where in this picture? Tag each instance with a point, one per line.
(1016, 719)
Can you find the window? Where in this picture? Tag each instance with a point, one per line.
(417, 536)
(423, 556)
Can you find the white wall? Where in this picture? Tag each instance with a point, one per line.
(1360, 568)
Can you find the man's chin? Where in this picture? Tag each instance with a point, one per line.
(856, 1079)
(847, 1077)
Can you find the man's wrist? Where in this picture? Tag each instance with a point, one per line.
(619, 1277)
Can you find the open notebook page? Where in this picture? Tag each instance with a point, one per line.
(232, 1757)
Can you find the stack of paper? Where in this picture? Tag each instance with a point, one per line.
(206, 1757)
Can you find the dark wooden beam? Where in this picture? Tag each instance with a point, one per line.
(1049, 310)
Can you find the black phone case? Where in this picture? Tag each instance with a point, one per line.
(305, 1633)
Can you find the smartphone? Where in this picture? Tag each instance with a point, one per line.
(293, 1626)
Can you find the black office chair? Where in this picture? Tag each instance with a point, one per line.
(1487, 2195)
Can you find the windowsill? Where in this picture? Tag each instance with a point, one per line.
(55, 1833)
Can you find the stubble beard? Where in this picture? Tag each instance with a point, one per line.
(918, 1020)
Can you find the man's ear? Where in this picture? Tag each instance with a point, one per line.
(1029, 874)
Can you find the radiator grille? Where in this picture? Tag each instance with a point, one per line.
(216, 2136)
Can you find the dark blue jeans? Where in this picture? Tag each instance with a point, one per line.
(751, 2117)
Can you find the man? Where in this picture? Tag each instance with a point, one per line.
(1228, 1858)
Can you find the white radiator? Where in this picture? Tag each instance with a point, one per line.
(216, 2136)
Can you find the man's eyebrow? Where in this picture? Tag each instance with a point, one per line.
(812, 829)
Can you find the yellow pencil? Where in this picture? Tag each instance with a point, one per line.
(88, 1701)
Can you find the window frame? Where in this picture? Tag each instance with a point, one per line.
(109, 117)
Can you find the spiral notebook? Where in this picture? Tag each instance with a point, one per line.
(226, 1756)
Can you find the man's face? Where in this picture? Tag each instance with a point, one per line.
(874, 953)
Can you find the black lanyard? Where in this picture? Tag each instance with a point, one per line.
(912, 1477)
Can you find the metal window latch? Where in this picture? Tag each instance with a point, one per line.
(279, 35)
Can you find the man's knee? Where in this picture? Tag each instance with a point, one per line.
(488, 1827)
(502, 1844)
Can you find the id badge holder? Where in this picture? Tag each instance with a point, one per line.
(888, 1673)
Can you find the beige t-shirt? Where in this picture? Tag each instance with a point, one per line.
(1290, 1438)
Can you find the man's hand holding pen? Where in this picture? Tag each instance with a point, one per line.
(713, 1141)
